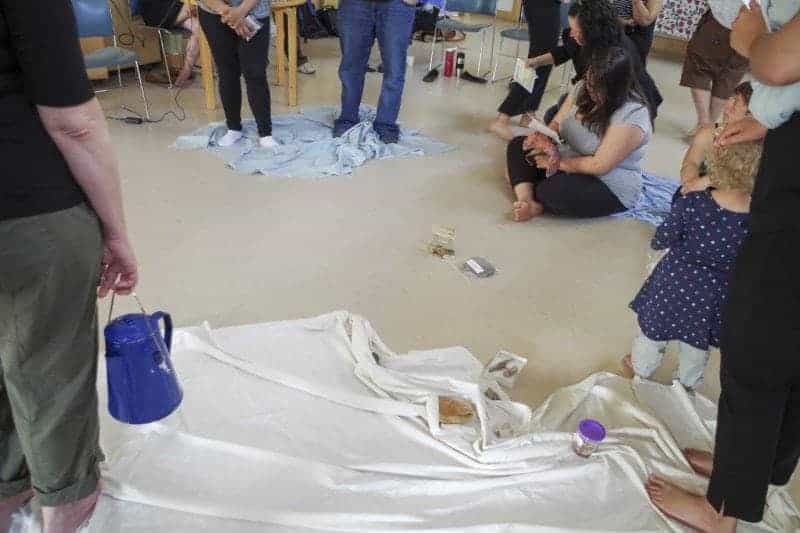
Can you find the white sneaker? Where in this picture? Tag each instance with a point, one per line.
(229, 139)
(268, 142)
(307, 68)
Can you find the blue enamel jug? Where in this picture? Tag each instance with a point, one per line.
(142, 384)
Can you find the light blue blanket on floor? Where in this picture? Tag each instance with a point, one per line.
(656, 200)
(307, 146)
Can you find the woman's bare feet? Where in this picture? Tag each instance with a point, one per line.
(10, 506)
(689, 509)
(501, 128)
(627, 367)
(69, 518)
(184, 78)
(526, 209)
(702, 462)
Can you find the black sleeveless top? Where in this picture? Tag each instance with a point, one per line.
(40, 64)
(775, 204)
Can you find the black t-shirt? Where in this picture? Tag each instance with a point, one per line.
(580, 57)
(776, 197)
(40, 64)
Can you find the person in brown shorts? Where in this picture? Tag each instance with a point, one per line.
(712, 69)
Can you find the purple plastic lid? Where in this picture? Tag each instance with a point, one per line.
(592, 430)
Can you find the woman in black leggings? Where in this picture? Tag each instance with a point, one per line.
(544, 24)
(606, 127)
(238, 52)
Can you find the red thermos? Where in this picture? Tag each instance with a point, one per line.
(449, 62)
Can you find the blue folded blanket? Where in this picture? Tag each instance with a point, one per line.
(307, 146)
(656, 200)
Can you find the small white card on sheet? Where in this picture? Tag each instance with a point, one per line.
(524, 75)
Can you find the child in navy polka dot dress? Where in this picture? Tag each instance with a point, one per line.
(682, 299)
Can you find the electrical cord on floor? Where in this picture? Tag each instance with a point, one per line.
(136, 118)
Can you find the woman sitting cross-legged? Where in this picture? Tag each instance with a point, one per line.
(606, 126)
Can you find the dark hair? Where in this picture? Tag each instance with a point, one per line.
(599, 24)
(745, 90)
(611, 75)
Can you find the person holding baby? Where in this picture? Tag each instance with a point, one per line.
(606, 125)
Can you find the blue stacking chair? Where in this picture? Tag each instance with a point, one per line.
(94, 20)
(478, 7)
(135, 8)
(517, 35)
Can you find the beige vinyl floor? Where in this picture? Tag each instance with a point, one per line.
(229, 248)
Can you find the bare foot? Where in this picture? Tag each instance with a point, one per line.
(692, 132)
(702, 462)
(526, 210)
(627, 367)
(69, 518)
(10, 506)
(689, 509)
(184, 78)
(501, 128)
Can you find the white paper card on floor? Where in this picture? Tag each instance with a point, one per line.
(316, 425)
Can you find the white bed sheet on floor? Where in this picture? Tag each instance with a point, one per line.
(294, 427)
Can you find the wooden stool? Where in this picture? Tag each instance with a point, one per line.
(285, 13)
(206, 64)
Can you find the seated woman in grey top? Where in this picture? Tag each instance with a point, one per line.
(606, 126)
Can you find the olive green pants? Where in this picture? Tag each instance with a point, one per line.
(49, 268)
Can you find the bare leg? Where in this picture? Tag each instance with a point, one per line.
(702, 462)
(68, 518)
(702, 106)
(689, 509)
(500, 127)
(10, 506)
(525, 208)
(716, 109)
(192, 50)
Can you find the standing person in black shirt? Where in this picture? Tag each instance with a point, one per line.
(62, 230)
(544, 23)
(758, 424)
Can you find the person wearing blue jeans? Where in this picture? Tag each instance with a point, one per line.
(360, 23)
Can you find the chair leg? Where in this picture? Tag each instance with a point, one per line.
(497, 59)
(480, 54)
(141, 88)
(164, 56)
(433, 48)
(119, 75)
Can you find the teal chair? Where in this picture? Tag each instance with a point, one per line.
(94, 20)
(516, 35)
(478, 7)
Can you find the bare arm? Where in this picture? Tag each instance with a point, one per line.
(563, 112)
(775, 57)
(81, 134)
(217, 6)
(696, 154)
(644, 14)
(617, 144)
(542, 60)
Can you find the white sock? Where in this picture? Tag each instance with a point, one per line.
(268, 142)
(230, 138)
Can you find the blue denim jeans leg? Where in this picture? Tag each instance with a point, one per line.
(360, 23)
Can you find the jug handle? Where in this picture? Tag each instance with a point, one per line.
(159, 315)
